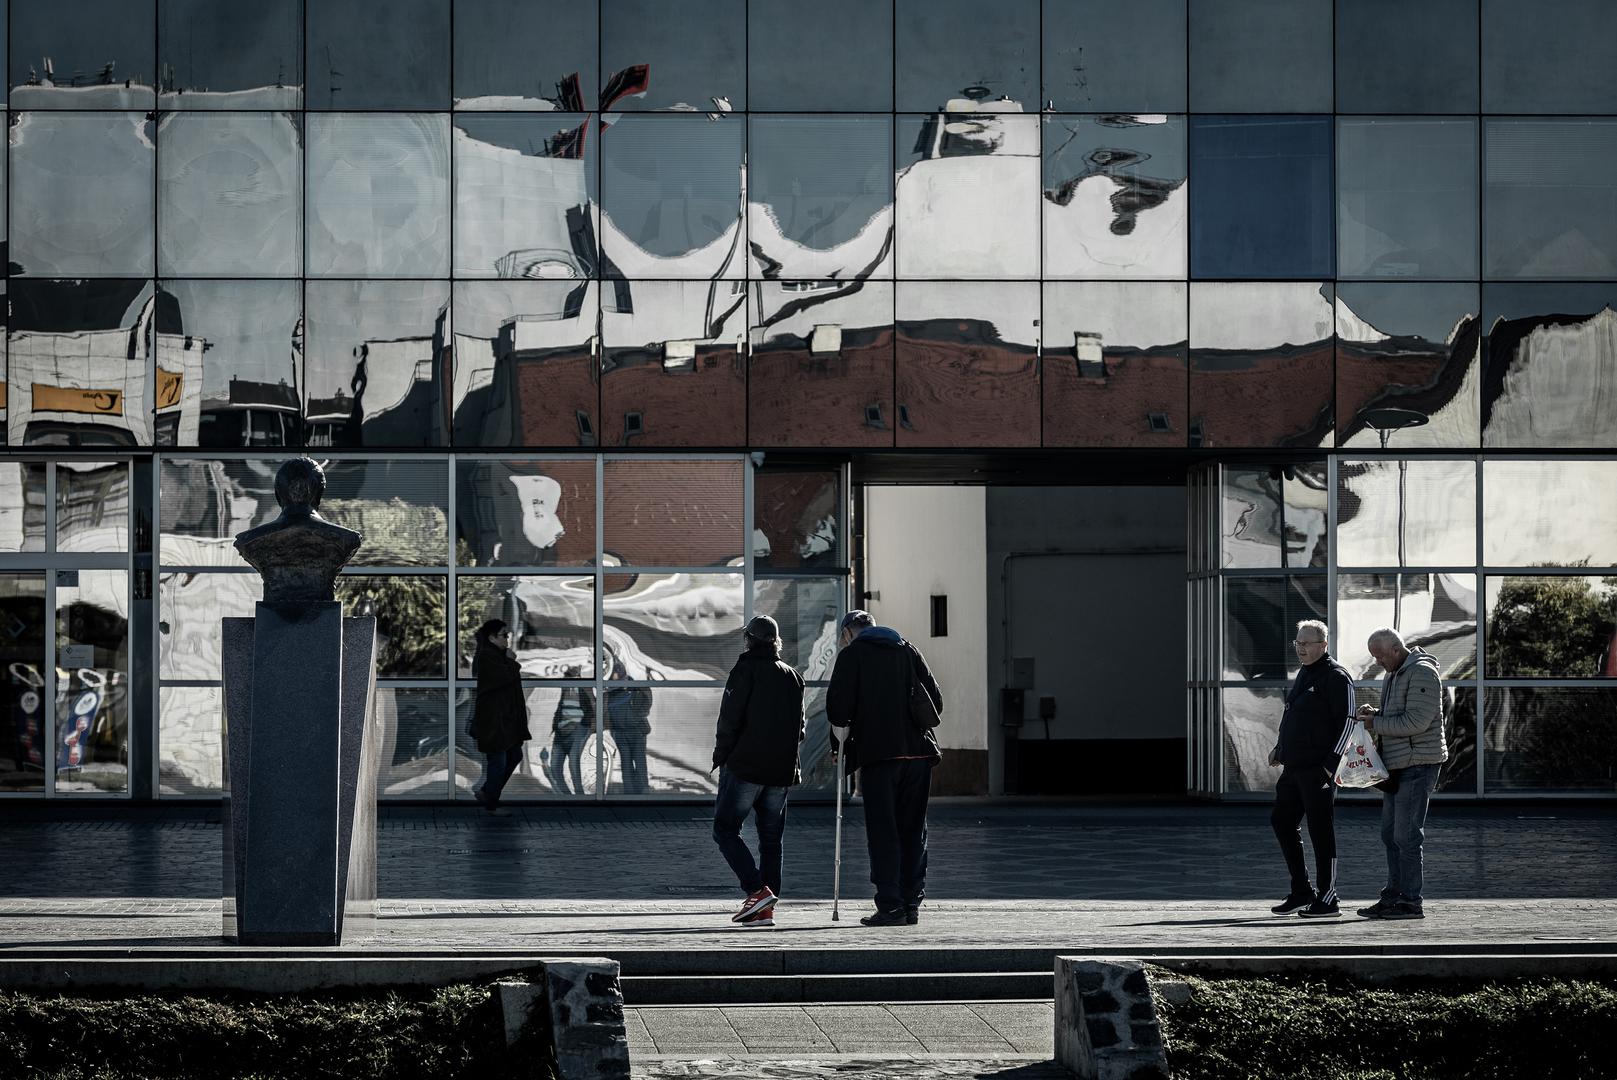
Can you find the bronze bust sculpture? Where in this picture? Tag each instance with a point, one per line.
(299, 553)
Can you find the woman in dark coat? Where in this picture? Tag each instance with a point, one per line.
(500, 719)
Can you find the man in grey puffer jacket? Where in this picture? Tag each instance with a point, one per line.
(1409, 728)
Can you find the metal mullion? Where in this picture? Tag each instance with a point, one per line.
(598, 576)
(748, 569)
(1482, 624)
(412, 684)
(524, 571)
(705, 570)
(452, 613)
(1547, 571)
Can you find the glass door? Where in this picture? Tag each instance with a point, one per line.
(25, 738)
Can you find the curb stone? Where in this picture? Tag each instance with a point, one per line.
(580, 1002)
(1106, 1020)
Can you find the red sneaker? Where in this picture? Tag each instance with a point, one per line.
(762, 900)
(758, 920)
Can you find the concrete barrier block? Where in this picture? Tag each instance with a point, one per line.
(1106, 1021)
(585, 1001)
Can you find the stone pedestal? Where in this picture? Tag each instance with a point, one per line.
(300, 815)
(1106, 1021)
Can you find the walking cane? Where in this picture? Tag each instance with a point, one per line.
(836, 872)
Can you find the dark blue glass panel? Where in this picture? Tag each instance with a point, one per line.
(832, 55)
(1397, 57)
(1102, 56)
(1548, 56)
(1261, 197)
(949, 49)
(1260, 56)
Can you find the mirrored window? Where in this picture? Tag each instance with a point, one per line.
(1551, 512)
(22, 511)
(92, 506)
(948, 49)
(204, 504)
(526, 193)
(552, 622)
(1260, 621)
(410, 620)
(222, 55)
(1100, 56)
(576, 744)
(968, 364)
(1275, 515)
(659, 739)
(1552, 627)
(373, 372)
(378, 195)
(1406, 192)
(1261, 364)
(22, 683)
(671, 197)
(92, 703)
(820, 196)
(1260, 56)
(1249, 728)
(1548, 57)
(806, 610)
(1551, 186)
(1551, 363)
(1113, 363)
(77, 373)
(536, 55)
(525, 513)
(832, 56)
(190, 720)
(1549, 738)
(1419, 512)
(1407, 371)
(83, 54)
(797, 518)
(190, 606)
(673, 371)
(1434, 612)
(1264, 202)
(821, 370)
(673, 512)
(227, 371)
(693, 63)
(1397, 57)
(1115, 204)
(414, 722)
(672, 627)
(967, 194)
(364, 55)
(230, 194)
(525, 367)
(81, 194)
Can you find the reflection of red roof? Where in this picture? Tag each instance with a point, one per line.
(788, 507)
(673, 513)
(799, 399)
(966, 393)
(1276, 398)
(1112, 407)
(1407, 372)
(551, 390)
(703, 406)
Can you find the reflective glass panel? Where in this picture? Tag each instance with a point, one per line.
(373, 371)
(228, 367)
(525, 369)
(81, 194)
(229, 194)
(834, 55)
(525, 513)
(696, 62)
(807, 610)
(1397, 57)
(1560, 627)
(22, 679)
(567, 742)
(1113, 365)
(1541, 738)
(526, 193)
(674, 368)
(222, 55)
(672, 626)
(821, 369)
(1260, 620)
(1101, 56)
(410, 621)
(189, 608)
(552, 621)
(1407, 371)
(82, 54)
(1275, 515)
(536, 55)
(378, 195)
(414, 762)
(204, 504)
(1264, 205)
(1437, 612)
(364, 55)
(967, 194)
(534, 777)
(948, 50)
(1460, 733)
(22, 506)
(673, 513)
(1261, 364)
(1549, 513)
(92, 683)
(1406, 191)
(797, 519)
(1548, 57)
(1406, 513)
(1260, 55)
(1550, 196)
(76, 370)
(1551, 366)
(1115, 203)
(820, 196)
(671, 197)
(1249, 731)
(967, 364)
(659, 740)
(92, 506)
(190, 725)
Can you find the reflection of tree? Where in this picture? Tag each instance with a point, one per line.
(1550, 627)
(409, 621)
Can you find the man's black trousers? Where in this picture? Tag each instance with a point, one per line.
(1307, 792)
(895, 829)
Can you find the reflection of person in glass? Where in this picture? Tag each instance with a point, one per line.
(570, 728)
(755, 749)
(500, 720)
(628, 718)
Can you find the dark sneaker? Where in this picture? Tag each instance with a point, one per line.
(912, 915)
(758, 920)
(1321, 909)
(896, 917)
(1294, 902)
(762, 900)
(1377, 910)
(1403, 909)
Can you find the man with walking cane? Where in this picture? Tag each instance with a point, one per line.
(884, 694)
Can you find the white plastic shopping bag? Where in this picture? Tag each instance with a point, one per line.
(1360, 766)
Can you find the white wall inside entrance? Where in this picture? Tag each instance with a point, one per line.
(922, 542)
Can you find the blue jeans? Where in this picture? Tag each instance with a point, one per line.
(1403, 827)
(498, 767)
(632, 760)
(737, 798)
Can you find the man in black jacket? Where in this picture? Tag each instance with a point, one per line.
(1314, 731)
(870, 696)
(760, 727)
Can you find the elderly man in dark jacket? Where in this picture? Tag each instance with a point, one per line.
(760, 727)
(870, 696)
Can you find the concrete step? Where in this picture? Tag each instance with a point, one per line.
(849, 987)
